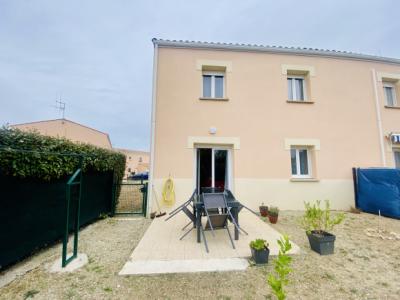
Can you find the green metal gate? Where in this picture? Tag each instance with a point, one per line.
(73, 197)
(130, 197)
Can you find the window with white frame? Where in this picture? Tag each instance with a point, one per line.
(296, 88)
(390, 93)
(396, 153)
(301, 162)
(213, 85)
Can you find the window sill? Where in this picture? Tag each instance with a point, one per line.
(394, 107)
(301, 102)
(214, 99)
(304, 179)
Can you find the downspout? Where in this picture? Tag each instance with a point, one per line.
(153, 128)
(379, 119)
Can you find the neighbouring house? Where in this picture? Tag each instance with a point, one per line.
(70, 130)
(136, 161)
(273, 124)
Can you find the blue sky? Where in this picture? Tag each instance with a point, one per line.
(97, 55)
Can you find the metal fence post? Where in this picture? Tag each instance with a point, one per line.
(144, 207)
(355, 184)
(65, 239)
(71, 182)
(113, 202)
(78, 208)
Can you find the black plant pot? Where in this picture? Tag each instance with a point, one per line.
(322, 243)
(260, 256)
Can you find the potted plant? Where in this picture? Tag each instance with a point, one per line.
(259, 251)
(273, 214)
(317, 222)
(263, 210)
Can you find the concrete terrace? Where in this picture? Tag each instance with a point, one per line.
(161, 251)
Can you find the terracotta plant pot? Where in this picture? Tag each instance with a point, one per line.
(273, 219)
(263, 211)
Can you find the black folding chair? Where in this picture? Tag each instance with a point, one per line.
(218, 213)
(185, 209)
(229, 197)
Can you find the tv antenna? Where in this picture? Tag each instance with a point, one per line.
(61, 107)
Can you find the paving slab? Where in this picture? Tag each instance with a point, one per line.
(149, 267)
(74, 265)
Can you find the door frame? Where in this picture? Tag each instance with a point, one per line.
(229, 158)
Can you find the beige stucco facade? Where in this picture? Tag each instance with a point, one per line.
(70, 130)
(344, 120)
(136, 161)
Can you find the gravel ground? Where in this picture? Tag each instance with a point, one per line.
(361, 268)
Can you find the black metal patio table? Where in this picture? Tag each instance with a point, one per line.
(198, 207)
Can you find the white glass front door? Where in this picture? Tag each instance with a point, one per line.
(213, 168)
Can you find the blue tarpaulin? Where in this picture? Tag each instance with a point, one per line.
(379, 189)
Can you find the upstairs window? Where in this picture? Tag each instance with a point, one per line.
(390, 94)
(213, 85)
(296, 88)
(300, 161)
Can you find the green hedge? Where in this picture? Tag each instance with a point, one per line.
(31, 155)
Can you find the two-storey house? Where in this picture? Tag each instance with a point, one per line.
(275, 125)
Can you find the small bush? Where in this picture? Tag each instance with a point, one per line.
(259, 244)
(273, 211)
(317, 219)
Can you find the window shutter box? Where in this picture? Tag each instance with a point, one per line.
(395, 138)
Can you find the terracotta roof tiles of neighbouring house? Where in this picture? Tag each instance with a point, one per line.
(273, 49)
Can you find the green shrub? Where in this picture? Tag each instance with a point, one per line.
(259, 244)
(273, 211)
(31, 155)
(281, 268)
(317, 219)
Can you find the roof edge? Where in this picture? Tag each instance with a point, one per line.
(273, 49)
(61, 119)
(131, 150)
